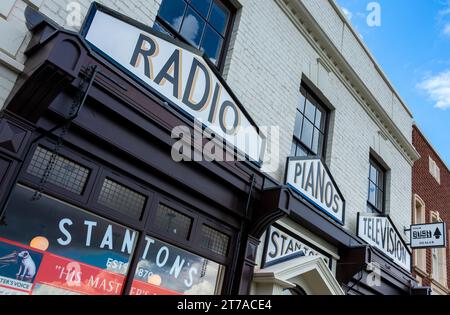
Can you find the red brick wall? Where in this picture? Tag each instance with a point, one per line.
(435, 196)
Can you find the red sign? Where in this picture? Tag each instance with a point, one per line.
(78, 277)
(142, 288)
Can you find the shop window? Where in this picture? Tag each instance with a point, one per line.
(376, 199)
(173, 222)
(420, 257)
(122, 199)
(62, 172)
(309, 130)
(205, 24)
(214, 240)
(438, 258)
(164, 269)
(50, 247)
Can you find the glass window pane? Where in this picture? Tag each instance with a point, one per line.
(380, 200)
(307, 133)
(381, 180)
(212, 44)
(310, 111)
(172, 12)
(122, 199)
(319, 117)
(293, 149)
(301, 104)
(219, 18)
(70, 250)
(215, 241)
(161, 29)
(64, 173)
(202, 6)
(372, 194)
(173, 222)
(373, 174)
(192, 28)
(298, 125)
(164, 269)
(316, 141)
(300, 152)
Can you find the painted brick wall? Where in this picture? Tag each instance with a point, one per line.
(435, 196)
(265, 71)
(264, 66)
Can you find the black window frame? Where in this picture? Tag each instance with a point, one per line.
(226, 39)
(307, 94)
(381, 171)
(144, 226)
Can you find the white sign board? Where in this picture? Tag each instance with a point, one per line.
(282, 245)
(381, 233)
(428, 235)
(178, 73)
(311, 178)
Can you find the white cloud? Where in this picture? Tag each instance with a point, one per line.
(438, 89)
(447, 29)
(347, 13)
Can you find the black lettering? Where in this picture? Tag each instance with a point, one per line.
(141, 51)
(190, 86)
(172, 65)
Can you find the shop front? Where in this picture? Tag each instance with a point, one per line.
(306, 250)
(93, 200)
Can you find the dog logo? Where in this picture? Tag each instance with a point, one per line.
(27, 269)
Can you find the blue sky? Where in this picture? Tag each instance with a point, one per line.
(412, 45)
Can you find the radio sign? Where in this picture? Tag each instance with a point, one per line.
(177, 73)
(428, 235)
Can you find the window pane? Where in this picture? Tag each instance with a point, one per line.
(310, 111)
(173, 222)
(212, 44)
(172, 12)
(161, 29)
(192, 28)
(319, 116)
(373, 174)
(380, 200)
(307, 133)
(300, 152)
(293, 149)
(202, 6)
(122, 199)
(70, 250)
(372, 194)
(215, 241)
(381, 180)
(316, 141)
(219, 18)
(298, 125)
(165, 269)
(301, 105)
(64, 173)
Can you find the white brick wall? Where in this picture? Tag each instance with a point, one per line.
(264, 66)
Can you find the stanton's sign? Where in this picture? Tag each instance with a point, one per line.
(282, 245)
(178, 73)
(311, 178)
(381, 233)
(428, 235)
